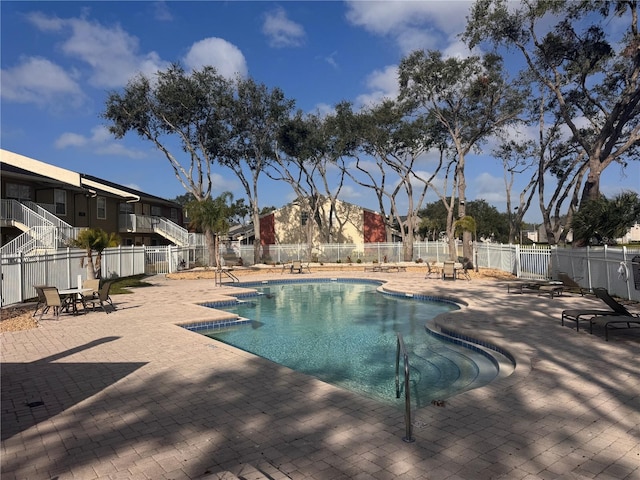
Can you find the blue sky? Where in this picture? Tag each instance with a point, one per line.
(59, 60)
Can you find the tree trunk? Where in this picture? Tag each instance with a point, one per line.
(211, 247)
(407, 246)
(91, 272)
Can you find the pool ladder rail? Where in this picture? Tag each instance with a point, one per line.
(224, 272)
(401, 349)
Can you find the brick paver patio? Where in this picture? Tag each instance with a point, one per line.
(130, 395)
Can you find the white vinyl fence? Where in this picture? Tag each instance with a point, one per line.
(616, 269)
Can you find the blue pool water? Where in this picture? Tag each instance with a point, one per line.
(344, 333)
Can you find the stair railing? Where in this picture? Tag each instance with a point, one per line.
(66, 232)
(171, 230)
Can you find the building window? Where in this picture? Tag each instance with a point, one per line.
(126, 208)
(60, 200)
(101, 204)
(304, 218)
(174, 215)
(18, 192)
(156, 211)
(146, 210)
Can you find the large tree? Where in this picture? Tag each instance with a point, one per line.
(255, 118)
(185, 115)
(591, 68)
(306, 159)
(397, 140)
(471, 98)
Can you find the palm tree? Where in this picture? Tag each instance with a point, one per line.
(604, 220)
(211, 216)
(95, 239)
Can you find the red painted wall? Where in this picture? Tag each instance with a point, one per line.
(268, 230)
(373, 227)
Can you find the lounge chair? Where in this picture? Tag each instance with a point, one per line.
(614, 322)
(52, 300)
(621, 315)
(449, 270)
(103, 299)
(570, 285)
(576, 315)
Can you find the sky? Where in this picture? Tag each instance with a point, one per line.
(60, 60)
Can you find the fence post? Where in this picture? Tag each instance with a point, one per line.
(22, 275)
(518, 269)
(68, 268)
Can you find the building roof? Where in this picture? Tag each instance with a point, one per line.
(28, 168)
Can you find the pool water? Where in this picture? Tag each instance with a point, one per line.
(344, 333)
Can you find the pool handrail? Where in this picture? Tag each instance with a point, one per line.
(407, 395)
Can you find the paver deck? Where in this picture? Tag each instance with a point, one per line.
(130, 395)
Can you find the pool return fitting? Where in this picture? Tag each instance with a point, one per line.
(407, 395)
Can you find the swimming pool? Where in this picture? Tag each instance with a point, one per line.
(344, 333)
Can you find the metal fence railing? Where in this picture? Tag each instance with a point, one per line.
(615, 268)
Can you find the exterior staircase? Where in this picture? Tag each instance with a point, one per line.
(43, 231)
(173, 232)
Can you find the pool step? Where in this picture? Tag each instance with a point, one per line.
(244, 471)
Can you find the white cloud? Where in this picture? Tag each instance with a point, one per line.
(113, 55)
(100, 142)
(408, 22)
(44, 23)
(161, 12)
(351, 193)
(216, 52)
(38, 80)
(324, 109)
(331, 59)
(282, 32)
(381, 84)
(69, 139)
(489, 188)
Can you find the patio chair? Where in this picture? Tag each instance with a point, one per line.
(103, 299)
(449, 270)
(296, 266)
(432, 271)
(466, 266)
(570, 285)
(92, 283)
(42, 301)
(52, 300)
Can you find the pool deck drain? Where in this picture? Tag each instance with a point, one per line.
(132, 395)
